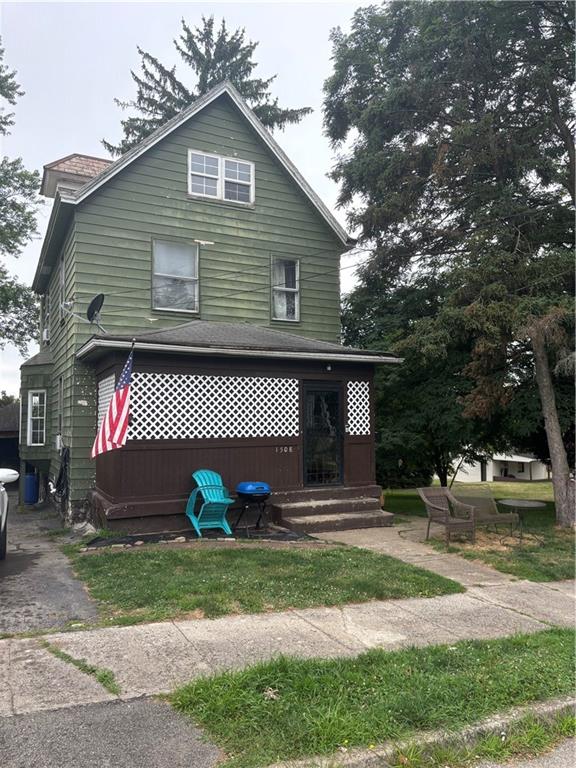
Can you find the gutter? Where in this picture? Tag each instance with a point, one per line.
(94, 344)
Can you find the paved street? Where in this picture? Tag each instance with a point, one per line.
(37, 587)
(143, 733)
(564, 756)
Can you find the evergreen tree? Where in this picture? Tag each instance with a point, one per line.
(462, 166)
(18, 205)
(213, 55)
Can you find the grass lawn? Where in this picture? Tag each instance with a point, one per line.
(405, 501)
(290, 708)
(546, 554)
(154, 583)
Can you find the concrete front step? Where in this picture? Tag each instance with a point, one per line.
(327, 507)
(329, 492)
(342, 521)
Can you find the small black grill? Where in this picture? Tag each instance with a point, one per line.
(249, 493)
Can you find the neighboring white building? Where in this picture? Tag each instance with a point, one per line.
(502, 467)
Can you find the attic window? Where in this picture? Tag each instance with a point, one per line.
(221, 178)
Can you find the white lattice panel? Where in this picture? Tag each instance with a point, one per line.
(167, 406)
(105, 392)
(358, 408)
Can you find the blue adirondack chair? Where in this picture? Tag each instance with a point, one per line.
(215, 502)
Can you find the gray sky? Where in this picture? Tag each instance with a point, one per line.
(72, 59)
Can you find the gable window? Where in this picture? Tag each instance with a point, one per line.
(204, 174)
(175, 276)
(237, 181)
(37, 417)
(221, 178)
(285, 289)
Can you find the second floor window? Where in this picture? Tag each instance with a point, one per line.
(221, 178)
(175, 276)
(285, 289)
(37, 417)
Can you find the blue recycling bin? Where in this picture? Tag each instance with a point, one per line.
(31, 488)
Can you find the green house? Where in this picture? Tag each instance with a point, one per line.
(221, 265)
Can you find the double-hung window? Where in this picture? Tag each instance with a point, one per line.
(220, 178)
(238, 177)
(204, 175)
(285, 289)
(175, 276)
(37, 417)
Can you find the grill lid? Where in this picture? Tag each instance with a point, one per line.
(253, 488)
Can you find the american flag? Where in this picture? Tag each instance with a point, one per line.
(114, 427)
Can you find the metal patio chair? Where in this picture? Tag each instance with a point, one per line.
(444, 508)
(215, 502)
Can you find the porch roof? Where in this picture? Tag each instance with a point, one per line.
(233, 339)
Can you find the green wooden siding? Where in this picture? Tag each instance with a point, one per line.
(149, 199)
(108, 250)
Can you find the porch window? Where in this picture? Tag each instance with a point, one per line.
(37, 417)
(285, 289)
(175, 279)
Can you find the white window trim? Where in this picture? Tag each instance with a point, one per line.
(286, 290)
(29, 419)
(177, 277)
(222, 178)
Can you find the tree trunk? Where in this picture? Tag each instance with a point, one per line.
(441, 470)
(561, 482)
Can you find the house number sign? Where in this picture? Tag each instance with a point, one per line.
(284, 449)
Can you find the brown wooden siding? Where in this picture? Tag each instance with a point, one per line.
(152, 477)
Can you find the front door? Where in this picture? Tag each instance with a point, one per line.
(322, 434)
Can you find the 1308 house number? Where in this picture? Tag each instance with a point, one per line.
(284, 449)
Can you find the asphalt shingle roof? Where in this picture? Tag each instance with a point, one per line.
(204, 333)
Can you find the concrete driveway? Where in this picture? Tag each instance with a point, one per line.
(37, 587)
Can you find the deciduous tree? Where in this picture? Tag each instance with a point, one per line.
(459, 161)
(18, 206)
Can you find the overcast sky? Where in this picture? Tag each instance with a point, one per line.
(72, 59)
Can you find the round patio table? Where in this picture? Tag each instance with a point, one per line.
(520, 506)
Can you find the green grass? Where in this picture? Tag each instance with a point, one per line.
(153, 584)
(528, 737)
(550, 557)
(104, 676)
(291, 708)
(405, 501)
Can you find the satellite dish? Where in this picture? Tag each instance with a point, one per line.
(94, 308)
(93, 311)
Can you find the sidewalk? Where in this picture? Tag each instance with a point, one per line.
(153, 658)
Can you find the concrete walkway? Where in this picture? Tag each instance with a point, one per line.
(154, 658)
(405, 542)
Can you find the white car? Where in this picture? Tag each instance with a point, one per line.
(6, 476)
